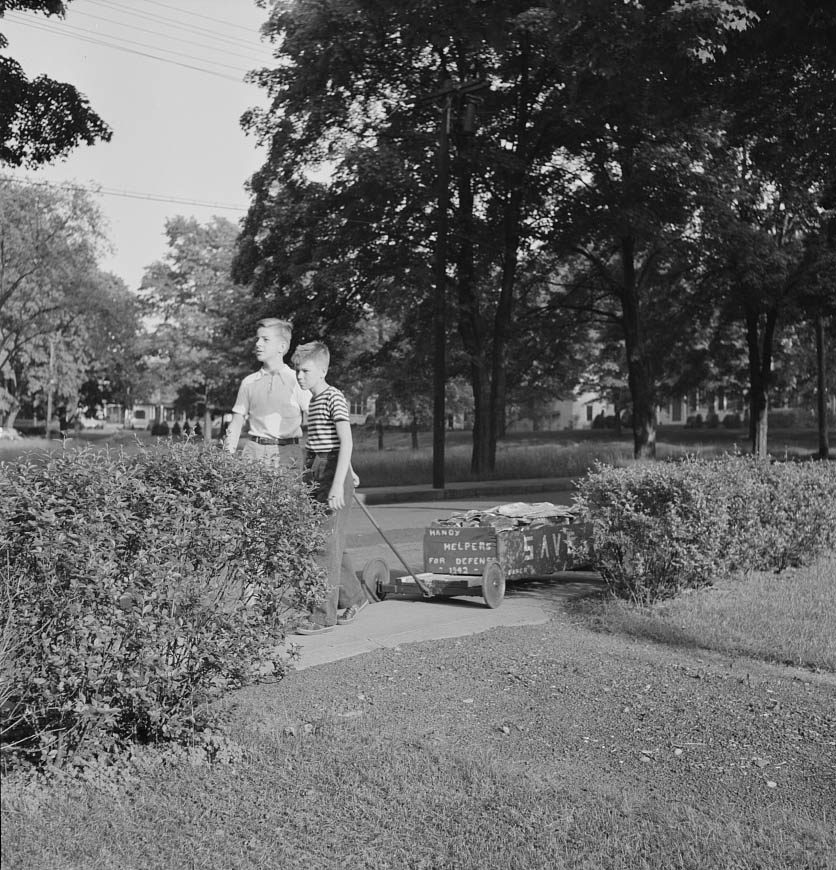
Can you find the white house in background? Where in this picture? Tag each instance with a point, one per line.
(361, 408)
(702, 404)
(575, 413)
(140, 417)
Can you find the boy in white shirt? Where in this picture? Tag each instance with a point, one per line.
(272, 400)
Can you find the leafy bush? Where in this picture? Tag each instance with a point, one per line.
(732, 421)
(653, 531)
(660, 528)
(781, 514)
(136, 590)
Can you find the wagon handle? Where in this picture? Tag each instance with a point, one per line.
(421, 585)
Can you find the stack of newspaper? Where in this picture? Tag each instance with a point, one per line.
(511, 516)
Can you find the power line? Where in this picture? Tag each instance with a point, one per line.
(203, 17)
(196, 29)
(90, 36)
(37, 26)
(130, 194)
(179, 39)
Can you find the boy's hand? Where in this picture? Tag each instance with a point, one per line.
(336, 499)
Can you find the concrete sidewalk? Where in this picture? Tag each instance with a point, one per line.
(397, 621)
(400, 620)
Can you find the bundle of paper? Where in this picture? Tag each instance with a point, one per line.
(511, 516)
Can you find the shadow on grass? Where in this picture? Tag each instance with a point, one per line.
(563, 586)
(606, 615)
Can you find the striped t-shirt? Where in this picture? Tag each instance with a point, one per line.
(324, 412)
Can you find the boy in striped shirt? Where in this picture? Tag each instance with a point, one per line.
(328, 470)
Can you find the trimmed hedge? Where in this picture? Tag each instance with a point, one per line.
(660, 528)
(138, 589)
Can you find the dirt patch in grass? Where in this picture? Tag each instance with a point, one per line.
(546, 746)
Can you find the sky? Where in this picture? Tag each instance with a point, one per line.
(167, 77)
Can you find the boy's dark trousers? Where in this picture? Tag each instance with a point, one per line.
(344, 589)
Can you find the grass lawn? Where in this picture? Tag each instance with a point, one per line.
(651, 741)
(788, 618)
(610, 737)
(561, 453)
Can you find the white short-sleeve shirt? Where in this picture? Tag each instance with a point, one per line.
(273, 402)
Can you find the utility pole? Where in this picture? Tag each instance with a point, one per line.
(50, 386)
(450, 94)
(440, 295)
(821, 391)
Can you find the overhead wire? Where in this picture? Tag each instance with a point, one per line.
(122, 44)
(116, 47)
(130, 194)
(180, 39)
(196, 29)
(117, 43)
(203, 17)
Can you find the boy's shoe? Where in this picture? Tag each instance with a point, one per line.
(350, 613)
(308, 627)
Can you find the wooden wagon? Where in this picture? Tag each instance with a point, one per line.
(478, 560)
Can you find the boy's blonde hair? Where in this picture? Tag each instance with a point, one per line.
(283, 328)
(312, 350)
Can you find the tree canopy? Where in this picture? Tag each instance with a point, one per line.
(60, 315)
(193, 309)
(41, 119)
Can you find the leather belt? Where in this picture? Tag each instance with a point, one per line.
(278, 442)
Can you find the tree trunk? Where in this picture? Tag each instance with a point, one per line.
(639, 377)
(481, 417)
(12, 392)
(471, 323)
(502, 323)
(50, 387)
(821, 383)
(760, 376)
(11, 414)
(440, 297)
(413, 430)
(511, 223)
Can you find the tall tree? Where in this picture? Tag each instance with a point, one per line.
(41, 119)
(595, 121)
(49, 240)
(378, 62)
(777, 91)
(113, 368)
(818, 303)
(193, 303)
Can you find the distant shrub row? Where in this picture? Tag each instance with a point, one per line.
(660, 528)
(779, 418)
(137, 589)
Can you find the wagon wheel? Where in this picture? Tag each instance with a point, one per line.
(374, 573)
(493, 584)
